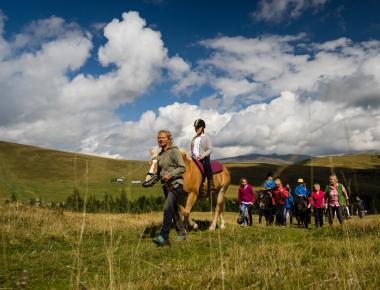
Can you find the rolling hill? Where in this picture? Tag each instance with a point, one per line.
(29, 171)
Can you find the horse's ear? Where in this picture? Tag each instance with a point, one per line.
(152, 152)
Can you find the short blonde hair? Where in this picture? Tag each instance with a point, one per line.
(167, 133)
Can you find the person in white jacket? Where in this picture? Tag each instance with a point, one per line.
(201, 149)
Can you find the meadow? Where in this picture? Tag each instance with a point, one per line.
(33, 172)
(47, 249)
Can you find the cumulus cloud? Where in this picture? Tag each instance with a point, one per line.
(284, 10)
(46, 100)
(270, 94)
(246, 70)
(287, 124)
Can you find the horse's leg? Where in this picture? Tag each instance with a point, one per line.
(190, 224)
(218, 209)
(191, 199)
(222, 221)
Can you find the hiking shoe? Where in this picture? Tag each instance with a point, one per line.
(180, 238)
(160, 241)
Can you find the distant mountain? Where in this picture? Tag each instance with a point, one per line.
(269, 158)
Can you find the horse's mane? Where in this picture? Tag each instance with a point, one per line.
(185, 154)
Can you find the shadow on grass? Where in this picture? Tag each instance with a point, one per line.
(153, 229)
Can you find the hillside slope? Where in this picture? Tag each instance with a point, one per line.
(52, 175)
(354, 161)
(30, 171)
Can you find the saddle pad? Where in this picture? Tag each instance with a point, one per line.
(215, 166)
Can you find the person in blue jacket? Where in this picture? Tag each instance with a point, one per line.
(269, 182)
(289, 205)
(301, 188)
(268, 185)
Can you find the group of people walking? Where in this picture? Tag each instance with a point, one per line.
(170, 168)
(331, 202)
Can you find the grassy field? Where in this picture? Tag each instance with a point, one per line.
(52, 175)
(44, 249)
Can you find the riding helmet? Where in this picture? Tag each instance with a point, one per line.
(199, 123)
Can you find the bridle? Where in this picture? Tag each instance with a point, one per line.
(154, 178)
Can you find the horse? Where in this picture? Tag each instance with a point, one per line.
(192, 182)
(266, 207)
(301, 211)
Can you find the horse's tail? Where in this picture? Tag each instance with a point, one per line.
(225, 183)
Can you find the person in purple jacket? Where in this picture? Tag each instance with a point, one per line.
(246, 199)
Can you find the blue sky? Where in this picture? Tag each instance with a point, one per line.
(201, 51)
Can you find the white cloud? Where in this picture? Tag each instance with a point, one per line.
(263, 90)
(245, 70)
(40, 104)
(282, 126)
(284, 10)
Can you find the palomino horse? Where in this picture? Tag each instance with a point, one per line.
(192, 180)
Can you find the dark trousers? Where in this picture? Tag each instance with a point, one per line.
(332, 210)
(280, 218)
(269, 215)
(171, 211)
(207, 166)
(318, 215)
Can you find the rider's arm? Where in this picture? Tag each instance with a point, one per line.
(209, 147)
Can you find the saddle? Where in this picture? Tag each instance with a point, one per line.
(216, 167)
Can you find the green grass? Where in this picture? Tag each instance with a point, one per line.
(355, 161)
(52, 175)
(45, 249)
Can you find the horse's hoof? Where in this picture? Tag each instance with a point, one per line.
(222, 227)
(195, 227)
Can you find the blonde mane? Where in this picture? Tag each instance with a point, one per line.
(185, 154)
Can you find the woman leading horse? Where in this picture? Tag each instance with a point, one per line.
(192, 180)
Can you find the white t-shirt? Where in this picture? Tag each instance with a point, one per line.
(197, 143)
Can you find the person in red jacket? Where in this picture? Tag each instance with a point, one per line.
(246, 199)
(317, 200)
(279, 195)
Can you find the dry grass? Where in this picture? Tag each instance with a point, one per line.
(43, 250)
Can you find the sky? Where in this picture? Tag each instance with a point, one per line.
(103, 77)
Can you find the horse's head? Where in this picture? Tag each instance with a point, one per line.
(266, 199)
(300, 202)
(152, 177)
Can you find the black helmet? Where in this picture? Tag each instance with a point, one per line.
(199, 123)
